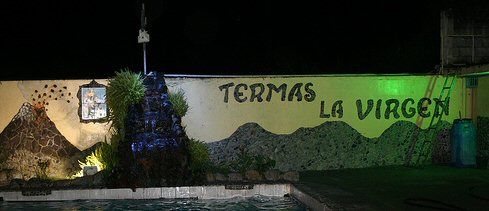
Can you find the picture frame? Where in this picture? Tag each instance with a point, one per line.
(92, 103)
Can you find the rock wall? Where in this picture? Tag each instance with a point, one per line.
(155, 149)
(331, 145)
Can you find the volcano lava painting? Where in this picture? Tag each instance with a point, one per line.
(31, 143)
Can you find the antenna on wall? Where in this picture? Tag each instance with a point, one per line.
(143, 36)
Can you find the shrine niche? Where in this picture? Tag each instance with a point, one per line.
(93, 106)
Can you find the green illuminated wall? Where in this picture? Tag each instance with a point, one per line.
(322, 121)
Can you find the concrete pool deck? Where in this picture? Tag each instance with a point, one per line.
(399, 188)
(384, 188)
(320, 197)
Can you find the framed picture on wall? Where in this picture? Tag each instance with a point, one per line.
(93, 106)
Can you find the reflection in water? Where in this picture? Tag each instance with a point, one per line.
(239, 203)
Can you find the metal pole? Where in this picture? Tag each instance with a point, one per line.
(143, 28)
(144, 57)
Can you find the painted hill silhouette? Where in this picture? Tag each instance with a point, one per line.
(331, 145)
(32, 138)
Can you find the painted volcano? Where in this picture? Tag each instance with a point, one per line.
(30, 139)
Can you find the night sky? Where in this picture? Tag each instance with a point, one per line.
(93, 39)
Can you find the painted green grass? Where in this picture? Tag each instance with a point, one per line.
(388, 187)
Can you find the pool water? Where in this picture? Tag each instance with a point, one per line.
(239, 203)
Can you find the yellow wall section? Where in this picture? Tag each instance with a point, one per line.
(10, 101)
(211, 119)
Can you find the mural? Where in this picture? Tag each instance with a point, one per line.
(304, 123)
(331, 145)
(50, 92)
(32, 145)
(282, 104)
(408, 108)
(31, 140)
(60, 102)
(257, 92)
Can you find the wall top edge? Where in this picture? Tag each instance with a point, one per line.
(291, 76)
(250, 76)
(53, 79)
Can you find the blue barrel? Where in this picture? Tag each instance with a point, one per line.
(463, 139)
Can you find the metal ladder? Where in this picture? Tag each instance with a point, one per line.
(427, 144)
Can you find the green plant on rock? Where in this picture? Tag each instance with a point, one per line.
(263, 163)
(179, 102)
(115, 138)
(243, 163)
(199, 155)
(246, 161)
(91, 160)
(221, 168)
(104, 158)
(124, 90)
(106, 154)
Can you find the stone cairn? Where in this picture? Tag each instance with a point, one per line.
(155, 149)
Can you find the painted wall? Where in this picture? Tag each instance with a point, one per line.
(61, 102)
(218, 109)
(211, 118)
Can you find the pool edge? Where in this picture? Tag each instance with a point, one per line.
(200, 192)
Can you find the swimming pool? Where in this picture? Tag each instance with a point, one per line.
(256, 202)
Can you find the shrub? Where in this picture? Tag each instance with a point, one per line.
(104, 158)
(179, 102)
(246, 161)
(125, 89)
(263, 163)
(221, 168)
(90, 160)
(243, 163)
(107, 155)
(199, 157)
(115, 138)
